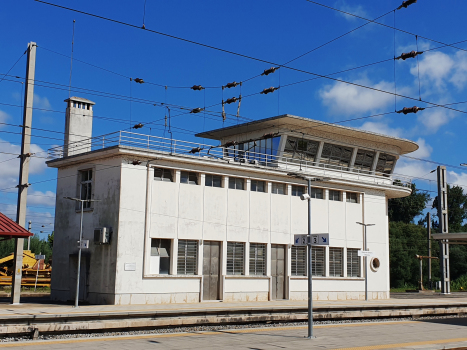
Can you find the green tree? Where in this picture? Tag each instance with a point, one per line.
(407, 208)
(457, 208)
(405, 241)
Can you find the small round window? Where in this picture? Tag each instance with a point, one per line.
(375, 264)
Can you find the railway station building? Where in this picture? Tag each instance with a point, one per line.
(182, 222)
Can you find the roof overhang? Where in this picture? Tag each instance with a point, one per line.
(287, 122)
(454, 238)
(10, 229)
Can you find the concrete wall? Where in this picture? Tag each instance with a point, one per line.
(172, 210)
(99, 261)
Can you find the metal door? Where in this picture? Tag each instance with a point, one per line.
(278, 271)
(211, 270)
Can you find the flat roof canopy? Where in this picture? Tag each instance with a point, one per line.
(10, 229)
(288, 122)
(454, 238)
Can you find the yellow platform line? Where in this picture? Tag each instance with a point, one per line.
(175, 335)
(403, 345)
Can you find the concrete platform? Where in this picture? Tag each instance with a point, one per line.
(52, 318)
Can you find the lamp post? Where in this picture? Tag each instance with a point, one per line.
(80, 240)
(307, 197)
(366, 262)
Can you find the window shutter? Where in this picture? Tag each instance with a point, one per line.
(235, 258)
(187, 261)
(335, 262)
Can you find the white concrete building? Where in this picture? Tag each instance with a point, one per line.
(191, 222)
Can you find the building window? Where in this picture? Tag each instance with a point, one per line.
(385, 163)
(301, 149)
(351, 197)
(258, 186)
(85, 188)
(278, 188)
(335, 195)
(236, 183)
(298, 190)
(235, 258)
(316, 193)
(336, 257)
(262, 150)
(364, 160)
(162, 174)
(160, 249)
(213, 180)
(353, 263)
(318, 261)
(338, 156)
(299, 261)
(257, 259)
(187, 261)
(188, 177)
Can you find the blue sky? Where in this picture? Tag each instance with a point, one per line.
(275, 31)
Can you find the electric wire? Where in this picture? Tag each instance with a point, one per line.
(13, 66)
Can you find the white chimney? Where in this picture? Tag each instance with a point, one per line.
(78, 126)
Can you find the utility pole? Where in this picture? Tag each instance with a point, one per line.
(443, 228)
(428, 228)
(25, 158)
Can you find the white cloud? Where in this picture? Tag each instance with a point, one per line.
(381, 128)
(459, 179)
(424, 150)
(459, 77)
(354, 9)
(349, 99)
(434, 118)
(435, 67)
(41, 198)
(3, 118)
(9, 164)
(41, 102)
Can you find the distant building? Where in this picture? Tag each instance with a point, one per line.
(190, 222)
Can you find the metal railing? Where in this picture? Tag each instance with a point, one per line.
(205, 151)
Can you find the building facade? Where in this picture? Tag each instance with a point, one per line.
(181, 222)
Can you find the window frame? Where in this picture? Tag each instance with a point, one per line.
(255, 183)
(332, 197)
(164, 173)
(234, 183)
(184, 260)
(212, 178)
(299, 260)
(296, 190)
(189, 178)
(274, 185)
(156, 250)
(257, 266)
(348, 196)
(318, 256)
(236, 258)
(336, 265)
(352, 260)
(89, 185)
(314, 193)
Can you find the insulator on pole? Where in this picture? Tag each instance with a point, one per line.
(197, 87)
(230, 144)
(139, 80)
(270, 70)
(136, 162)
(196, 150)
(406, 4)
(231, 100)
(197, 110)
(138, 126)
(268, 90)
(410, 54)
(413, 109)
(231, 85)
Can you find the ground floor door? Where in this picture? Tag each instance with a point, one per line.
(211, 270)
(278, 271)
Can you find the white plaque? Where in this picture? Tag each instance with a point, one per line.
(130, 266)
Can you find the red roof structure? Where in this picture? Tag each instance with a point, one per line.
(10, 229)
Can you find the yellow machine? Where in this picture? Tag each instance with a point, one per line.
(31, 268)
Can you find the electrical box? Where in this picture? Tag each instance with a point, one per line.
(102, 235)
